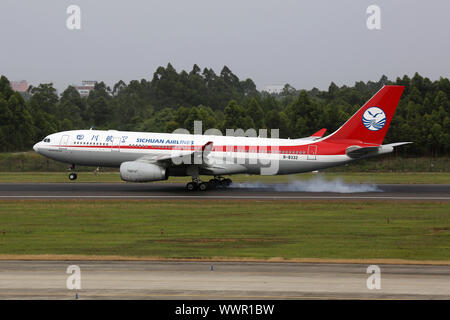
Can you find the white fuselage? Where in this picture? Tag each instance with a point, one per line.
(229, 155)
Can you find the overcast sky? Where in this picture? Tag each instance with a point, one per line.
(305, 43)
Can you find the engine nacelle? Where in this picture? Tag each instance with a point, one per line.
(135, 171)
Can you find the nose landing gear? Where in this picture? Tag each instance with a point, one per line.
(72, 175)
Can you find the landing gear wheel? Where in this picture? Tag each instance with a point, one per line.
(191, 186)
(214, 182)
(203, 186)
(227, 182)
(72, 176)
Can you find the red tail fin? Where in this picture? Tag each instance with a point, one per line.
(370, 123)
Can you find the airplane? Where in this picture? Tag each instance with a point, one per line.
(149, 156)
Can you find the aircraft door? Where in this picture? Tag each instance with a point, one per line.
(312, 152)
(63, 142)
(115, 147)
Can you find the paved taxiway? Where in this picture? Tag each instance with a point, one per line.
(226, 280)
(239, 191)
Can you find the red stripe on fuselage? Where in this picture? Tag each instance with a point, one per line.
(323, 148)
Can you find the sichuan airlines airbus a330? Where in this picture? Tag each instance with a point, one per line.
(147, 156)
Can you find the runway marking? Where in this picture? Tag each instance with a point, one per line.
(226, 197)
(48, 290)
(90, 295)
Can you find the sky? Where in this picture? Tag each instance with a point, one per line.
(304, 43)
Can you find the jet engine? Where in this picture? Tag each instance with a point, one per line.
(135, 171)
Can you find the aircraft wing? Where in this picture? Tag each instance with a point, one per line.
(175, 156)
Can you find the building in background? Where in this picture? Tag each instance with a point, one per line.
(86, 87)
(276, 89)
(19, 86)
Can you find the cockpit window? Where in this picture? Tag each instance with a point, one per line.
(46, 140)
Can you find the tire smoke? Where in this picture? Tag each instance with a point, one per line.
(317, 184)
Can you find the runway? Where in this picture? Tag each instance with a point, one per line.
(219, 280)
(169, 191)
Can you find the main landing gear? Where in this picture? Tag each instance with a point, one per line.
(192, 186)
(72, 175)
(218, 181)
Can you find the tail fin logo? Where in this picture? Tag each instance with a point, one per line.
(374, 119)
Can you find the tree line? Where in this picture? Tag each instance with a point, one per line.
(174, 100)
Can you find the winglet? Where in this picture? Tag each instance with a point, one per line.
(320, 133)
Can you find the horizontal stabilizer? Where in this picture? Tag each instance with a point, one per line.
(356, 152)
(396, 144)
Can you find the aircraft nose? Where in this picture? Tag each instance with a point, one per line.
(36, 147)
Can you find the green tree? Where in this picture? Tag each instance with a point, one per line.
(6, 126)
(236, 117)
(5, 88)
(300, 115)
(278, 120)
(44, 125)
(101, 112)
(255, 111)
(44, 98)
(73, 108)
(22, 122)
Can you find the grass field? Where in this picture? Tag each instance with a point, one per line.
(206, 229)
(33, 162)
(350, 177)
